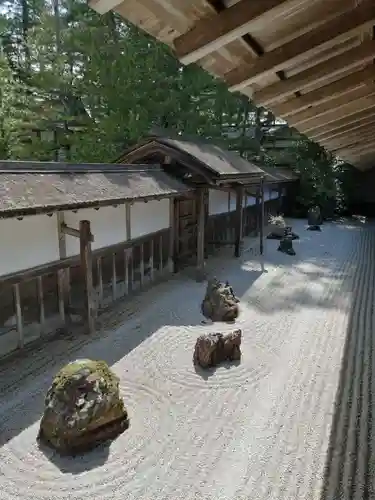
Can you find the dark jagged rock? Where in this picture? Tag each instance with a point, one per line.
(215, 348)
(220, 302)
(83, 408)
(314, 216)
(286, 246)
(314, 228)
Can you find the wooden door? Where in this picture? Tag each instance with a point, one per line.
(186, 232)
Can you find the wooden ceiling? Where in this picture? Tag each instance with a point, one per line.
(310, 62)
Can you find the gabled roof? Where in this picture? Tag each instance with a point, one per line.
(216, 163)
(28, 187)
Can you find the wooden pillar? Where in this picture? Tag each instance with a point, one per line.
(200, 234)
(172, 236)
(261, 228)
(280, 199)
(257, 212)
(238, 222)
(63, 276)
(86, 265)
(128, 255)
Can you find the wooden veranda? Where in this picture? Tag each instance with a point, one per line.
(308, 61)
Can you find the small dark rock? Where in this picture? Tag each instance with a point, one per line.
(215, 348)
(286, 246)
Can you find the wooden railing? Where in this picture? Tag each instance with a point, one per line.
(48, 298)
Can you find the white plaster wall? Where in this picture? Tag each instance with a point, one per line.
(149, 217)
(108, 225)
(217, 202)
(26, 243)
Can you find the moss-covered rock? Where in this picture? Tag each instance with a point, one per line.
(83, 407)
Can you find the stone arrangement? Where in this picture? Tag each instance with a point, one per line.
(215, 348)
(83, 408)
(314, 216)
(314, 228)
(279, 229)
(286, 246)
(220, 302)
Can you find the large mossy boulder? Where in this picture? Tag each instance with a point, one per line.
(83, 408)
(220, 303)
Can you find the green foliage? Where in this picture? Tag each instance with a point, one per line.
(97, 85)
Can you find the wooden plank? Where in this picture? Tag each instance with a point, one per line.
(40, 292)
(344, 112)
(19, 319)
(351, 59)
(86, 263)
(213, 32)
(172, 235)
(128, 221)
(326, 93)
(141, 265)
(357, 118)
(161, 269)
(351, 127)
(61, 293)
(104, 6)
(306, 45)
(73, 232)
(114, 277)
(126, 263)
(358, 136)
(352, 97)
(352, 142)
(201, 233)
(261, 232)
(151, 261)
(239, 222)
(100, 278)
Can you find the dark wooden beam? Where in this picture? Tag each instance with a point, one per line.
(86, 265)
(213, 32)
(239, 221)
(306, 45)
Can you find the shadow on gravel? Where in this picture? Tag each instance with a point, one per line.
(350, 463)
(206, 374)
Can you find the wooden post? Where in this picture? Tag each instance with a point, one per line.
(200, 234)
(141, 265)
(280, 200)
(261, 216)
(238, 222)
(151, 261)
(19, 319)
(114, 278)
(64, 277)
(129, 251)
(100, 279)
(42, 315)
(86, 265)
(172, 236)
(257, 212)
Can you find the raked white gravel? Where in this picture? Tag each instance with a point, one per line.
(256, 431)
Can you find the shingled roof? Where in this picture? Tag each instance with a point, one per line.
(27, 188)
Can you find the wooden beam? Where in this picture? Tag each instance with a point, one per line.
(306, 45)
(351, 98)
(86, 265)
(370, 122)
(361, 150)
(358, 117)
(214, 31)
(104, 6)
(73, 232)
(326, 93)
(351, 109)
(261, 232)
(352, 133)
(351, 141)
(239, 221)
(201, 233)
(362, 54)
